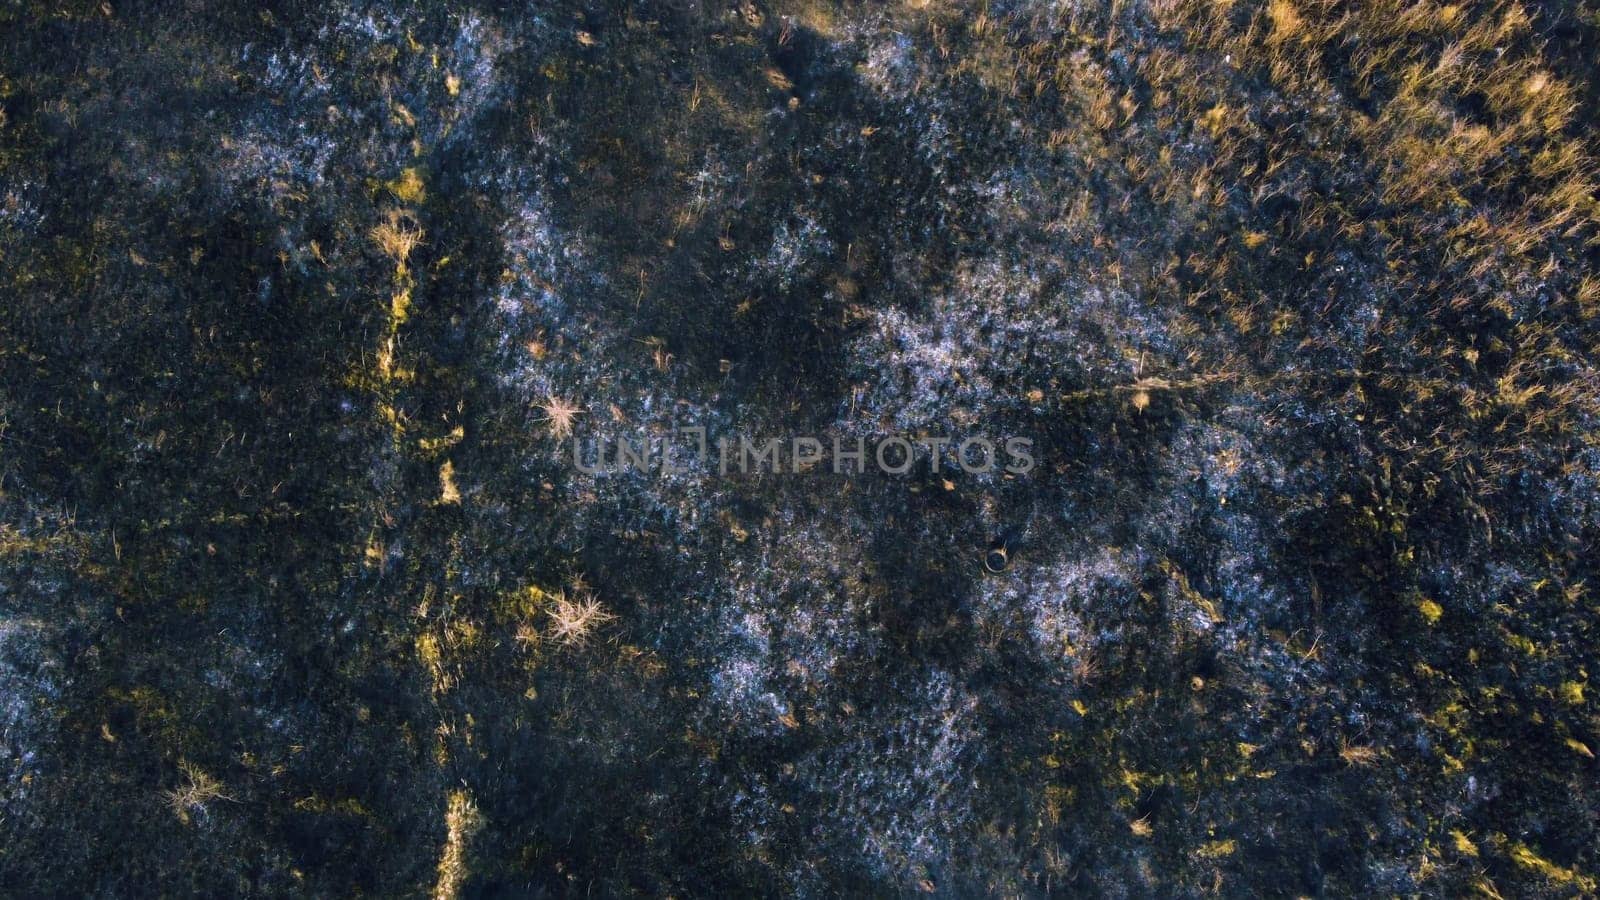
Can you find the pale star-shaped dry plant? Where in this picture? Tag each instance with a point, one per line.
(559, 415)
(574, 618)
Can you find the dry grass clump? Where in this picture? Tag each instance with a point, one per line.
(1357, 754)
(397, 235)
(559, 416)
(197, 790)
(462, 821)
(528, 637)
(575, 617)
(448, 491)
(1527, 858)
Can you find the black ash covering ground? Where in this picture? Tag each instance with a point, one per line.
(301, 594)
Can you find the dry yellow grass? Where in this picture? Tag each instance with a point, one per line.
(197, 790)
(461, 821)
(1355, 755)
(397, 235)
(408, 188)
(448, 492)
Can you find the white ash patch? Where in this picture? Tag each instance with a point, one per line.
(291, 77)
(543, 265)
(792, 248)
(279, 148)
(286, 165)
(472, 62)
(973, 346)
(740, 681)
(1242, 486)
(556, 345)
(900, 783)
(17, 210)
(28, 680)
(711, 183)
(890, 68)
(788, 623)
(1060, 597)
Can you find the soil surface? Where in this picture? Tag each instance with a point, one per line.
(303, 307)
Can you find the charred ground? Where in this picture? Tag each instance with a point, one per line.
(1296, 299)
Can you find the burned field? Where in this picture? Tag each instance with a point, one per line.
(302, 307)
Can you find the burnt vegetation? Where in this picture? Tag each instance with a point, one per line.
(300, 306)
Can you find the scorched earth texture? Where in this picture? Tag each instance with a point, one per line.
(302, 594)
